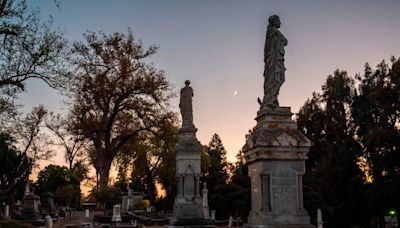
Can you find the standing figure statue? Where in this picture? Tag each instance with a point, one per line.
(186, 106)
(274, 69)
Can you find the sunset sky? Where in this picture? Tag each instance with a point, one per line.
(218, 45)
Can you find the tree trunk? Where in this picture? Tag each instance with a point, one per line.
(104, 172)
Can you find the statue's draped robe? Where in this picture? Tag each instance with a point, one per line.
(274, 70)
(186, 106)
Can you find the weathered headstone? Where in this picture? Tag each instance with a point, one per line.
(30, 209)
(48, 221)
(125, 203)
(116, 217)
(212, 215)
(230, 222)
(87, 213)
(275, 150)
(188, 208)
(319, 219)
(6, 211)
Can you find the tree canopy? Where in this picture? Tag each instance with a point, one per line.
(116, 96)
(30, 49)
(353, 163)
(14, 169)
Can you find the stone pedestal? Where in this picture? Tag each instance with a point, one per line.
(31, 207)
(276, 152)
(188, 208)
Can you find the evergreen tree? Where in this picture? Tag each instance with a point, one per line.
(333, 174)
(376, 112)
(217, 172)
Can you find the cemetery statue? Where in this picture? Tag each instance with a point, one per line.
(186, 105)
(274, 68)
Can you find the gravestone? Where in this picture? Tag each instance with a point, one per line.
(30, 209)
(7, 212)
(275, 150)
(116, 217)
(188, 207)
(319, 219)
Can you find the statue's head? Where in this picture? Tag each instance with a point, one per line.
(187, 82)
(274, 21)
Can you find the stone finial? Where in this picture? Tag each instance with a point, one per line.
(274, 69)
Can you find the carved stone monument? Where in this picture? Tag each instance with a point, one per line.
(275, 150)
(188, 208)
(31, 205)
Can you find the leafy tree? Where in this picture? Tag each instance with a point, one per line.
(15, 167)
(151, 161)
(116, 95)
(72, 144)
(30, 138)
(376, 113)
(216, 176)
(63, 184)
(217, 172)
(241, 187)
(334, 176)
(30, 49)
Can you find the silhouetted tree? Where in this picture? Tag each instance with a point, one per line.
(14, 169)
(74, 145)
(61, 182)
(334, 176)
(30, 49)
(30, 138)
(116, 95)
(216, 176)
(376, 113)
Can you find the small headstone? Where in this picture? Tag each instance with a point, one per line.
(319, 219)
(230, 221)
(212, 215)
(48, 221)
(116, 213)
(6, 211)
(87, 215)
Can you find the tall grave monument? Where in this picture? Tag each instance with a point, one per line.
(275, 150)
(188, 207)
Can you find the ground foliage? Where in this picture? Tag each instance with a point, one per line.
(353, 166)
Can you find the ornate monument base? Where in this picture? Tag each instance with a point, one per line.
(276, 151)
(188, 207)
